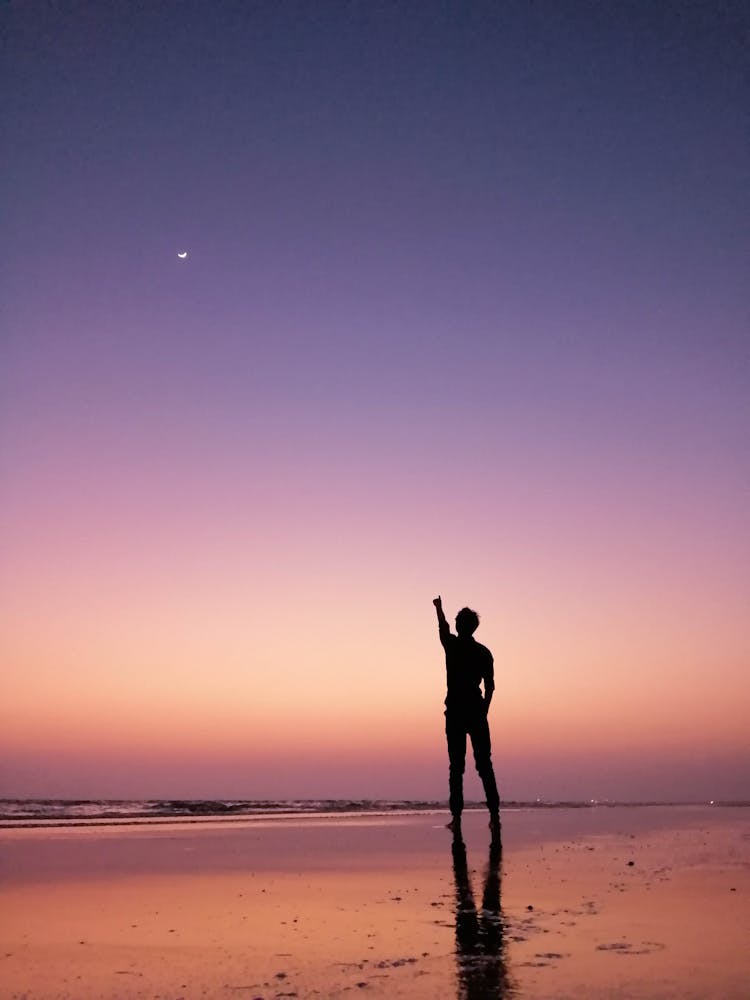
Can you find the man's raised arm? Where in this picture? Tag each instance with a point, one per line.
(443, 626)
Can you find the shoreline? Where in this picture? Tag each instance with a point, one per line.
(261, 815)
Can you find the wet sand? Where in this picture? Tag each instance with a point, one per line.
(608, 902)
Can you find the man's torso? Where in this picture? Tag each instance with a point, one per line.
(467, 663)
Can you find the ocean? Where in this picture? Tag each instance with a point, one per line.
(92, 812)
(81, 812)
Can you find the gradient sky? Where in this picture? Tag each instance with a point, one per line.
(463, 313)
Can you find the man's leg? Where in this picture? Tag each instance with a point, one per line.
(480, 741)
(455, 731)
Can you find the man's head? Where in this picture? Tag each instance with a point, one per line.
(466, 622)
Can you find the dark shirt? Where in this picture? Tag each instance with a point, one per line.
(467, 664)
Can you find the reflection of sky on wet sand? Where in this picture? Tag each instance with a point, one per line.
(319, 909)
(481, 959)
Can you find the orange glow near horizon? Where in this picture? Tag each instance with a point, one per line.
(144, 649)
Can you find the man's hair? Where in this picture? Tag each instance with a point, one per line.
(467, 621)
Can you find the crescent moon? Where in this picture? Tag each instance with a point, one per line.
(182, 255)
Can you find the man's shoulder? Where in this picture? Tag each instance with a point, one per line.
(484, 650)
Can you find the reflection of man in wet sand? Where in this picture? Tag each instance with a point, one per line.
(480, 945)
(468, 664)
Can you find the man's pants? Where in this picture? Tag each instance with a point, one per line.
(474, 723)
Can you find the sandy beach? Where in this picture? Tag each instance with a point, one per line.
(617, 902)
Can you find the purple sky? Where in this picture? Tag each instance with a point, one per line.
(465, 309)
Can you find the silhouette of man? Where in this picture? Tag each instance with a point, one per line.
(468, 664)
